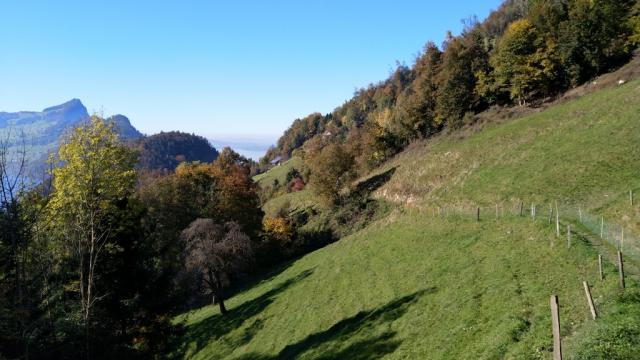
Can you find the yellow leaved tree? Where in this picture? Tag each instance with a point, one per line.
(95, 171)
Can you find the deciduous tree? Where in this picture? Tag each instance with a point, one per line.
(216, 255)
(331, 170)
(526, 65)
(96, 172)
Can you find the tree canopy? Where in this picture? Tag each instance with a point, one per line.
(166, 150)
(216, 254)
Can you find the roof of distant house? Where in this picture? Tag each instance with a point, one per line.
(276, 160)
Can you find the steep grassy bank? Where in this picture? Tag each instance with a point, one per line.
(412, 286)
(585, 151)
(417, 285)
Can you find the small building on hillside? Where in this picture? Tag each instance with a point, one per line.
(276, 161)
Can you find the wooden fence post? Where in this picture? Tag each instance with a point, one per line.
(590, 300)
(555, 324)
(557, 221)
(521, 206)
(621, 269)
(600, 266)
(497, 214)
(631, 197)
(478, 214)
(580, 213)
(568, 236)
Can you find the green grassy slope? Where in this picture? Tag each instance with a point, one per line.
(418, 285)
(295, 200)
(278, 172)
(582, 151)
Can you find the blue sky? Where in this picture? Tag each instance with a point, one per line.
(223, 69)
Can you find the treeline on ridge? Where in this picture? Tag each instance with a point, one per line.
(166, 150)
(524, 53)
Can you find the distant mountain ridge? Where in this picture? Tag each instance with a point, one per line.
(40, 131)
(47, 126)
(124, 127)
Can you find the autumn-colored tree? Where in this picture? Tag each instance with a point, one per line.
(423, 108)
(378, 138)
(96, 172)
(223, 190)
(525, 64)
(331, 170)
(300, 131)
(278, 228)
(414, 115)
(463, 58)
(216, 254)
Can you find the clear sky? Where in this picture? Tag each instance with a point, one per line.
(223, 69)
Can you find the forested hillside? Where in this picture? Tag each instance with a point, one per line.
(525, 53)
(166, 150)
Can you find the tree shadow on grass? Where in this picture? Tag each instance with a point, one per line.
(369, 185)
(214, 327)
(328, 344)
(265, 275)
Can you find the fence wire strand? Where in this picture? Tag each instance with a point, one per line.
(600, 228)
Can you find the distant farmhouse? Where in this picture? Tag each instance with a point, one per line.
(276, 161)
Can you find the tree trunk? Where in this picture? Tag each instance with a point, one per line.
(220, 297)
(223, 310)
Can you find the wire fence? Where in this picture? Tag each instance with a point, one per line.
(613, 234)
(566, 220)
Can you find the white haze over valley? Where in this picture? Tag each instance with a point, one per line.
(253, 148)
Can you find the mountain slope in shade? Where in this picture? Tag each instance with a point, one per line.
(45, 128)
(42, 128)
(40, 131)
(124, 127)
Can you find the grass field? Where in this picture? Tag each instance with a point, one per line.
(415, 285)
(412, 287)
(278, 172)
(585, 151)
(294, 200)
